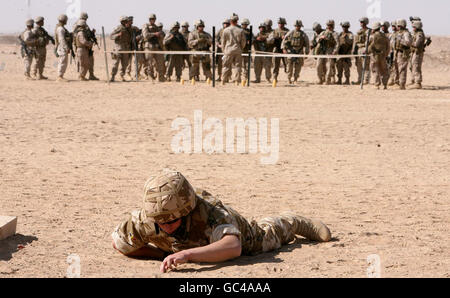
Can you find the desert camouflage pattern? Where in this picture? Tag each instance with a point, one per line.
(343, 65)
(295, 42)
(379, 48)
(403, 44)
(418, 49)
(200, 41)
(360, 43)
(30, 40)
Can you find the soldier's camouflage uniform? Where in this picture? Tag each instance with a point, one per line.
(83, 46)
(174, 41)
(393, 71)
(295, 42)
(153, 42)
(320, 63)
(262, 62)
(30, 40)
(139, 46)
(331, 43)
(186, 59)
(91, 50)
(122, 37)
(360, 43)
(246, 50)
(418, 49)
(343, 65)
(40, 51)
(276, 38)
(207, 223)
(379, 48)
(200, 41)
(219, 59)
(62, 39)
(233, 41)
(403, 44)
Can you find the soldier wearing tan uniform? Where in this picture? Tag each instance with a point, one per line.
(199, 40)
(185, 32)
(249, 38)
(83, 47)
(219, 58)
(174, 41)
(41, 48)
(329, 40)
(84, 16)
(137, 45)
(233, 42)
(317, 49)
(28, 49)
(393, 71)
(153, 41)
(276, 38)
(295, 42)
(63, 45)
(178, 224)
(418, 49)
(346, 42)
(379, 48)
(122, 37)
(261, 46)
(360, 48)
(403, 42)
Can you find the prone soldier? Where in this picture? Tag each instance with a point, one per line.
(295, 42)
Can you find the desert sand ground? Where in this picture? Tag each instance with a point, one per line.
(373, 165)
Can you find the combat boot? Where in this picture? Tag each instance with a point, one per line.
(61, 79)
(93, 78)
(417, 86)
(123, 78)
(83, 79)
(356, 83)
(257, 81)
(28, 77)
(402, 87)
(339, 81)
(41, 77)
(311, 229)
(347, 81)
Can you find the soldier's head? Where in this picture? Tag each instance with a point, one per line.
(62, 19)
(317, 27)
(385, 26)
(175, 27)
(414, 19)
(81, 24)
(417, 25)
(131, 18)
(39, 21)
(394, 25)
(160, 25)
(226, 23)
(234, 20)
(168, 197)
(376, 26)
(401, 24)
(281, 23)
(125, 20)
(152, 18)
(364, 22)
(330, 25)
(298, 25)
(262, 27)
(29, 23)
(200, 25)
(185, 26)
(268, 23)
(345, 26)
(84, 16)
(245, 23)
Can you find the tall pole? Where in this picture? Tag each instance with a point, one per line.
(249, 56)
(365, 59)
(106, 54)
(214, 56)
(135, 55)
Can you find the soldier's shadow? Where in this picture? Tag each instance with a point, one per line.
(13, 244)
(436, 88)
(264, 258)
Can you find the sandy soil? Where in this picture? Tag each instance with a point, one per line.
(373, 165)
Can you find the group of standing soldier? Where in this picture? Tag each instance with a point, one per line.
(390, 53)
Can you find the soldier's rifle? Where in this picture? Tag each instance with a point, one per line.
(23, 50)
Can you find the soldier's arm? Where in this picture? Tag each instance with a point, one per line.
(419, 42)
(116, 34)
(229, 247)
(306, 44)
(243, 39)
(82, 39)
(192, 41)
(285, 39)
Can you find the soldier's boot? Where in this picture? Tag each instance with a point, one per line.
(93, 78)
(122, 77)
(347, 81)
(219, 78)
(412, 83)
(339, 81)
(328, 82)
(61, 79)
(320, 82)
(28, 77)
(269, 80)
(333, 81)
(83, 79)
(402, 87)
(391, 83)
(197, 78)
(311, 229)
(113, 79)
(356, 82)
(290, 81)
(41, 77)
(178, 79)
(417, 86)
(257, 81)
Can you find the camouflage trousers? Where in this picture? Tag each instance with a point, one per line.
(122, 59)
(343, 68)
(276, 67)
(27, 62)
(416, 65)
(380, 70)
(219, 65)
(63, 62)
(245, 67)
(403, 61)
(321, 66)
(83, 60)
(141, 62)
(294, 67)
(359, 67)
(260, 63)
(91, 64)
(175, 61)
(230, 61)
(41, 57)
(393, 73)
(206, 66)
(155, 61)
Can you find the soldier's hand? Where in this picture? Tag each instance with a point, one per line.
(173, 261)
(284, 51)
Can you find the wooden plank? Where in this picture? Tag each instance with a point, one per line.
(8, 225)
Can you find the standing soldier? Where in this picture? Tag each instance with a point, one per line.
(41, 48)
(28, 42)
(122, 37)
(295, 42)
(249, 39)
(90, 33)
(185, 32)
(345, 48)
(63, 46)
(233, 42)
(153, 42)
(269, 44)
(199, 40)
(329, 40)
(219, 58)
(403, 41)
(276, 37)
(360, 49)
(318, 49)
(84, 45)
(260, 45)
(136, 44)
(393, 69)
(174, 41)
(418, 49)
(379, 47)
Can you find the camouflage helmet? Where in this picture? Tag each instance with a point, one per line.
(234, 18)
(159, 25)
(282, 21)
(386, 24)
(124, 19)
(168, 196)
(401, 23)
(268, 22)
(62, 18)
(298, 23)
(394, 23)
(262, 25)
(364, 20)
(317, 26)
(29, 22)
(81, 23)
(185, 24)
(84, 16)
(376, 26)
(199, 23)
(175, 25)
(417, 24)
(413, 19)
(345, 24)
(245, 22)
(226, 21)
(152, 16)
(39, 19)
(330, 23)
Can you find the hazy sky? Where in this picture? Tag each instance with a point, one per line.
(434, 13)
